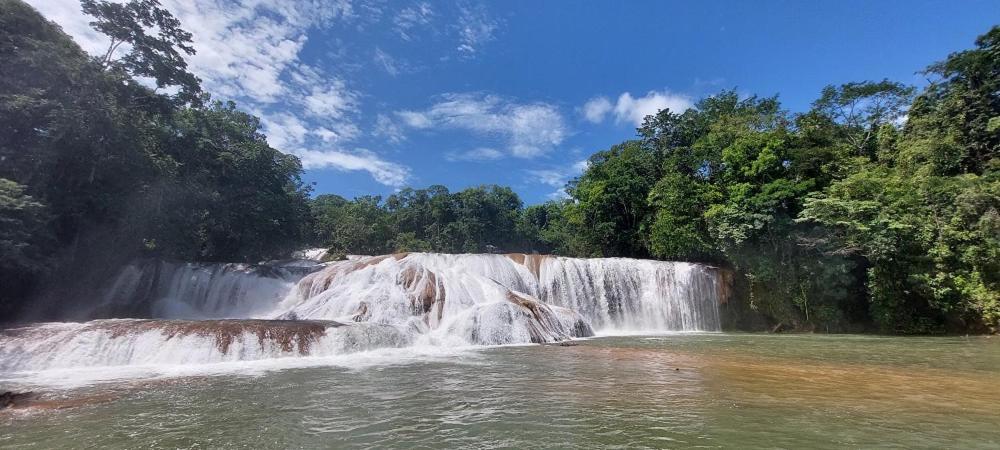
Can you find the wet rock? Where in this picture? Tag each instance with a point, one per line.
(289, 335)
(16, 399)
(362, 313)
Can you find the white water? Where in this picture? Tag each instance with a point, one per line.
(419, 301)
(167, 290)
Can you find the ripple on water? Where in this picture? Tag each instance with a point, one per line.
(668, 391)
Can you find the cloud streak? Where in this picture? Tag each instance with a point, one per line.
(411, 17)
(384, 172)
(476, 154)
(528, 130)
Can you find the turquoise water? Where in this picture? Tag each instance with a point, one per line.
(678, 391)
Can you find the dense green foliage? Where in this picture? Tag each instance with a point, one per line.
(475, 220)
(96, 167)
(924, 212)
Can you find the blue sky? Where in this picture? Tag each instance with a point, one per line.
(379, 95)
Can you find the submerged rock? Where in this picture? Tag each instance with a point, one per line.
(16, 399)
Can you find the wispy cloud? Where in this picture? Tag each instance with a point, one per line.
(475, 28)
(557, 177)
(386, 62)
(318, 149)
(528, 130)
(387, 129)
(412, 17)
(476, 154)
(635, 109)
(385, 172)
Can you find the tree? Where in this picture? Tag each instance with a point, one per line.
(955, 123)
(24, 243)
(611, 195)
(926, 223)
(155, 40)
(860, 109)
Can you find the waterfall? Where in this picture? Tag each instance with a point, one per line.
(129, 342)
(630, 295)
(169, 290)
(612, 294)
(307, 308)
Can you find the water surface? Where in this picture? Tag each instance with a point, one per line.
(687, 390)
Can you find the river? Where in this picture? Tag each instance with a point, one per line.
(681, 390)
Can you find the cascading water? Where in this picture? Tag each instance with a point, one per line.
(169, 290)
(364, 303)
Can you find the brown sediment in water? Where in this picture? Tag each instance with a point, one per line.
(851, 384)
(771, 381)
(288, 334)
(33, 401)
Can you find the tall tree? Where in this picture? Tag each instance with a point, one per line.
(154, 40)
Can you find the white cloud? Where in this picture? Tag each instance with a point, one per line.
(554, 178)
(320, 95)
(412, 17)
(387, 129)
(385, 172)
(635, 110)
(68, 14)
(290, 134)
(284, 131)
(476, 154)
(557, 177)
(326, 134)
(475, 28)
(596, 108)
(528, 130)
(415, 119)
(244, 49)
